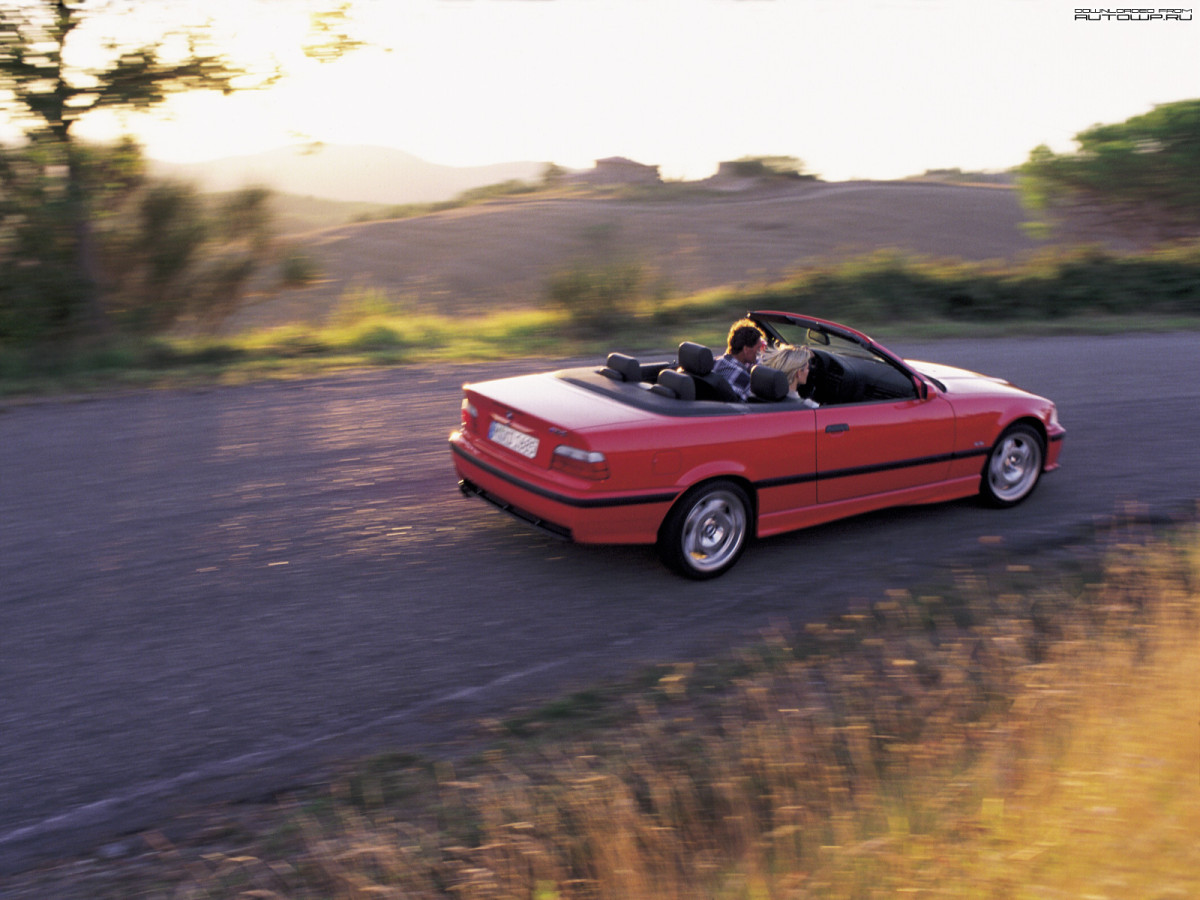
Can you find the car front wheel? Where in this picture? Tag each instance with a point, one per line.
(1013, 467)
(706, 531)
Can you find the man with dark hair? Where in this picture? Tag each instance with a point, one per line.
(741, 352)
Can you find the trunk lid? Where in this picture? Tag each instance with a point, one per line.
(504, 422)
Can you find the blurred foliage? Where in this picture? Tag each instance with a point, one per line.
(510, 188)
(609, 290)
(60, 61)
(298, 268)
(607, 297)
(42, 290)
(330, 34)
(889, 286)
(47, 88)
(359, 305)
(596, 297)
(159, 252)
(1137, 178)
(763, 166)
(956, 175)
(471, 197)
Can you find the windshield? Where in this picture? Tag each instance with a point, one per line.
(800, 336)
(842, 370)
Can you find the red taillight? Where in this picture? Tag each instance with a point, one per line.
(588, 464)
(470, 415)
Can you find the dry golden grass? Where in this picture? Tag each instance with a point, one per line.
(1041, 743)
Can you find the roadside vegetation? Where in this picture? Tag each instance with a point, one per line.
(1134, 179)
(592, 308)
(889, 287)
(1013, 733)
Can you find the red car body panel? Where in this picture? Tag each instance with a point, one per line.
(800, 466)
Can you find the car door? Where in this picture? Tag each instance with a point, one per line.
(873, 448)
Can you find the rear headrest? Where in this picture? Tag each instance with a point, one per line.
(675, 384)
(622, 368)
(695, 358)
(767, 383)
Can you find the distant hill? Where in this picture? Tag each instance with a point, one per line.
(501, 254)
(296, 215)
(346, 173)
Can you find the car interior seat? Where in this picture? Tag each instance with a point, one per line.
(697, 361)
(620, 367)
(672, 383)
(768, 384)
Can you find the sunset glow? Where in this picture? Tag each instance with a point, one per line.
(874, 88)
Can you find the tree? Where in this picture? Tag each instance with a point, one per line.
(1136, 179)
(59, 63)
(40, 288)
(49, 95)
(170, 254)
(780, 166)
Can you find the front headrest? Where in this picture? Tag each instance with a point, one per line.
(695, 358)
(767, 383)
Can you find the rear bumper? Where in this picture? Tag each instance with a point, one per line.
(583, 516)
(470, 489)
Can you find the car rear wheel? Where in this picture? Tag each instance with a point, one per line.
(1013, 467)
(706, 531)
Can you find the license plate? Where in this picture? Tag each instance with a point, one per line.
(516, 441)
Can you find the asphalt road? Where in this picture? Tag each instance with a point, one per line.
(205, 594)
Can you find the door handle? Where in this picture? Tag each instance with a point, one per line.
(835, 429)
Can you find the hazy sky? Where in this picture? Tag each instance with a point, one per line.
(868, 88)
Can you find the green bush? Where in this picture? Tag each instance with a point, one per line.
(597, 298)
(891, 286)
(298, 268)
(358, 305)
(376, 337)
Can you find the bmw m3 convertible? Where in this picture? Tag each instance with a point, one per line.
(658, 452)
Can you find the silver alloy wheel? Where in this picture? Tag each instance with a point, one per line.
(1014, 466)
(714, 530)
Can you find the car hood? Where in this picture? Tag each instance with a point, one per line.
(963, 381)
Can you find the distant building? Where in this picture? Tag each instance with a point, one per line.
(616, 170)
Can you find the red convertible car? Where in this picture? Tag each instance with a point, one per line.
(657, 452)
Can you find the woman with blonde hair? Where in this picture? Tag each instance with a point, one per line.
(793, 362)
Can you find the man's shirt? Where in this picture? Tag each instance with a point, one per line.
(736, 372)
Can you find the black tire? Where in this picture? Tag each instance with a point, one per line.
(705, 533)
(1013, 466)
